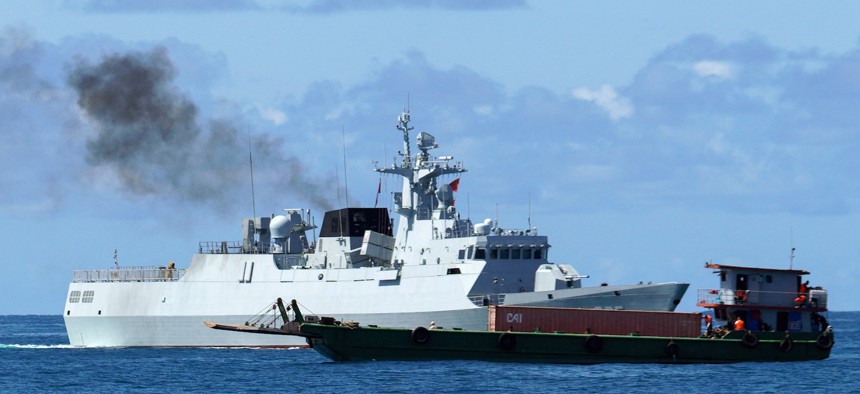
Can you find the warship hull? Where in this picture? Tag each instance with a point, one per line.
(168, 314)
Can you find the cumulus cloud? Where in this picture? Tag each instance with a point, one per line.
(296, 6)
(710, 68)
(608, 99)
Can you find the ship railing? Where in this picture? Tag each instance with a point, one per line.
(129, 274)
(515, 231)
(814, 298)
(232, 247)
(488, 299)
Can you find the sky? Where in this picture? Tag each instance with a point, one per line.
(644, 138)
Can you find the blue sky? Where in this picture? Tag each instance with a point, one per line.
(645, 138)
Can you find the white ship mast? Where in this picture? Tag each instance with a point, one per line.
(421, 197)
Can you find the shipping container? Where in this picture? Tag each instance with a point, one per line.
(595, 321)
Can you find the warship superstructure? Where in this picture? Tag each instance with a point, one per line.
(436, 267)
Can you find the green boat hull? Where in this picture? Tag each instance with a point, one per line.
(342, 343)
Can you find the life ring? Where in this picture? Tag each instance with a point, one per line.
(507, 341)
(420, 335)
(749, 340)
(824, 341)
(786, 344)
(593, 344)
(672, 349)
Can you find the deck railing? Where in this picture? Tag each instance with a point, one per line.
(814, 298)
(129, 274)
(487, 300)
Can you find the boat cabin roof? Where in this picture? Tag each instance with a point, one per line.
(759, 269)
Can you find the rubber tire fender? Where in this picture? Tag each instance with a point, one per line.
(507, 341)
(824, 341)
(672, 349)
(593, 344)
(420, 335)
(749, 340)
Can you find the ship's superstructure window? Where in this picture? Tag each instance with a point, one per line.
(461, 254)
(74, 297)
(88, 296)
(494, 254)
(768, 278)
(515, 254)
(453, 271)
(527, 254)
(538, 254)
(506, 254)
(480, 254)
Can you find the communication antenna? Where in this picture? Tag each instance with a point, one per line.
(791, 257)
(253, 197)
(340, 210)
(345, 183)
(530, 211)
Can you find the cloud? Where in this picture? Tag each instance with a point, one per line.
(607, 99)
(293, 6)
(112, 6)
(703, 134)
(710, 68)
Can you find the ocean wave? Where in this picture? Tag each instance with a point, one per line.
(28, 346)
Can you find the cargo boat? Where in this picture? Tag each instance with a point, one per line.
(784, 321)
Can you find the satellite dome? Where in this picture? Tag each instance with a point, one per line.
(280, 226)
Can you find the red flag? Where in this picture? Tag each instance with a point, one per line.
(455, 184)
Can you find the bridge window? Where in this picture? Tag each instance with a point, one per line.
(515, 254)
(506, 254)
(74, 297)
(527, 253)
(480, 254)
(538, 254)
(461, 254)
(494, 254)
(88, 296)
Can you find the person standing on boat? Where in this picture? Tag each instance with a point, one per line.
(739, 324)
(709, 328)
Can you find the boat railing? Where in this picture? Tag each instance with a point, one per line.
(488, 299)
(232, 247)
(515, 231)
(129, 274)
(814, 298)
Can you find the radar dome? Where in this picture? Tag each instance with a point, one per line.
(280, 226)
(483, 228)
(445, 195)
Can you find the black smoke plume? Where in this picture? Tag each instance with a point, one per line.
(148, 135)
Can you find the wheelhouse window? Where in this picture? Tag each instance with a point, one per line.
(527, 253)
(494, 254)
(480, 254)
(516, 253)
(75, 297)
(88, 296)
(506, 254)
(461, 254)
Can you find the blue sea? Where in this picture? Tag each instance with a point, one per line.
(35, 357)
